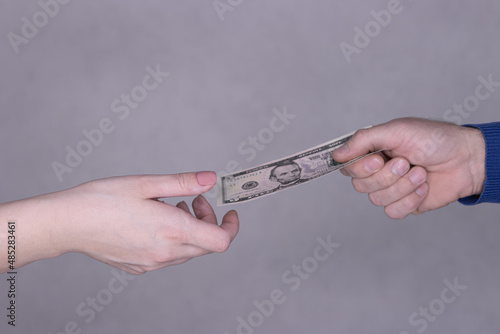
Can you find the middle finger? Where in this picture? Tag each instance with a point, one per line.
(392, 171)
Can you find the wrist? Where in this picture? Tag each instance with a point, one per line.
(36, 237)
(477, 158)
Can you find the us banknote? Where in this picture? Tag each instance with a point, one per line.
(282, 174)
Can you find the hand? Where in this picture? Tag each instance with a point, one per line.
(121, 222)
(425, 164)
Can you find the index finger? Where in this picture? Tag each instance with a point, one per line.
(365, 141)
(365, 167)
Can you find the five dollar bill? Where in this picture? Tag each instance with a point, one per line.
(282, 174)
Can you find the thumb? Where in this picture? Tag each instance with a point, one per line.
(364, 141)
(173, 185)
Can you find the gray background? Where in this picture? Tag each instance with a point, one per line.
(225, 79)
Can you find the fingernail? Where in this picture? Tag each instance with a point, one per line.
(342, 150)
(206, 178)
(373, 165)
(416, 177)
(400, 168)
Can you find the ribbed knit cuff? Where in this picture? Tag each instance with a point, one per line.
(491, 191)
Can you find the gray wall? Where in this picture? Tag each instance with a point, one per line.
(226, 77)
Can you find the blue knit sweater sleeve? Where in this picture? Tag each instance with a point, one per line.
(491, 192)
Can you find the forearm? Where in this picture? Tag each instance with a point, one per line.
(35, 231)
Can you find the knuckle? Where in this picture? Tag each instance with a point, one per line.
(360, 134)
(183, 182)
(385, 179)
(149, 269)
(345, 171)
(403, 208)
(157, 258)
(411, 204)
(133, 269)
(359, 186)
(376, 199)
(222, 244)
(97, 186)
(141, 271)
(400, 188)
(160, 257)
(393, 213)
(399, 121)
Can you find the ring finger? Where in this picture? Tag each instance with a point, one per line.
(402, 188)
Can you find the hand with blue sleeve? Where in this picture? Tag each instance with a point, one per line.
(425, 164)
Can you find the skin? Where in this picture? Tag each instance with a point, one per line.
(120, 222)
(425, 164)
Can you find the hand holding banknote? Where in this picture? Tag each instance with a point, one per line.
(425, 164)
